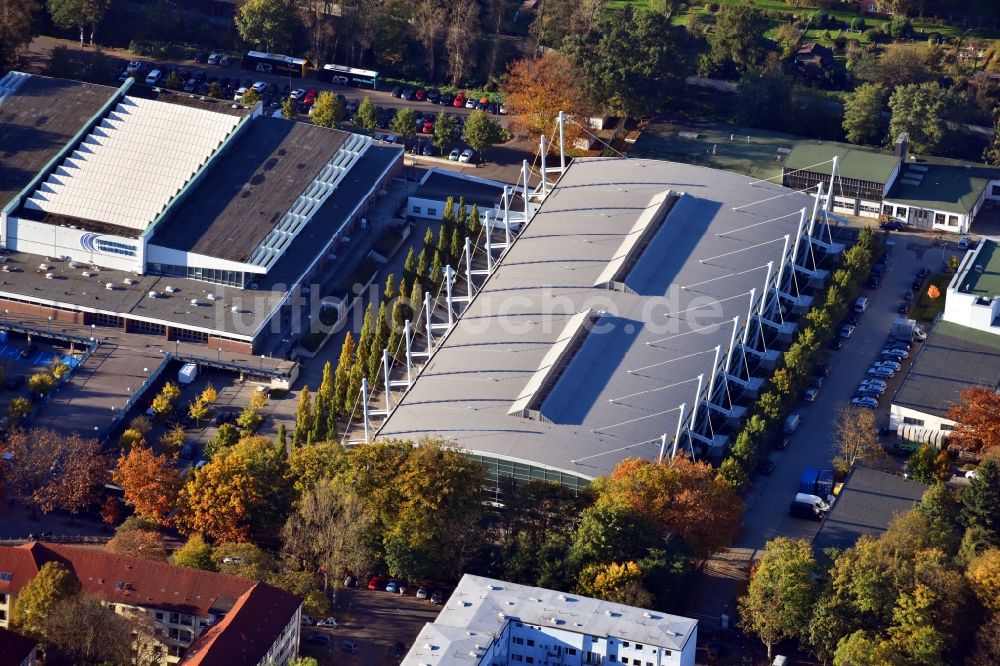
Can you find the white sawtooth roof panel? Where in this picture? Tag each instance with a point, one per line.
(134, 162)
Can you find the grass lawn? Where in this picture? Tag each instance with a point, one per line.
(927, 310)
(713, 148)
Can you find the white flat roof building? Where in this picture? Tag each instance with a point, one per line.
(495, 623)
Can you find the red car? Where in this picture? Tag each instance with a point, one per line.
(374, 583)
(459, 100)
(420, 94)
(428, 127)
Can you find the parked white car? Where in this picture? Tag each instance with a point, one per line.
(867, 403)
(466, 155)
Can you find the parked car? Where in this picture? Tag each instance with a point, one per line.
(823, 370)
(867, 394)
(766, 467)
(213, 58)
(904, 307)
(392, 586)
(891, 225)
(867, 403)
(407, 93)
(297, 94)
(837, 343)
(817, 382)
(437, 597)
(327, 622)
(782, 443)
(895, 353)
(847, 330)
(427, 127)
(924, 273)
(260, 87)
(318, 638)
(892, 365)
(308, 621)
(459, 101)
(877, 383)
(398, 650)
(454, 155)
(238, 95)
(446, 99)
(470, 103)
(420, 94)
(423, 592)
(810, 395)
(433, 95)
(881, 373)
(466, 155)
(349, 646)
(375, 583)
(397, 91)
(963, 243)
(428, 150)
(350, 581)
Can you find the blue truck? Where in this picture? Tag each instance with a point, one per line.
(816, 481)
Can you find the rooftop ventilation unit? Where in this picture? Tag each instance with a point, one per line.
(43, 267)
(195, 302)
(129, 281)
(110, 286)
(86, 273)
(49, 276)
(235, 309)
(169, 289)
(153, 294)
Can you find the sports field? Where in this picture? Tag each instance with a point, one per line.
(719, 146)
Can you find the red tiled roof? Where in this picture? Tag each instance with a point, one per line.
(130, 580)
(246, 634)
(14, 648)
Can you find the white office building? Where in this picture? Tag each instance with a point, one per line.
(494, 623)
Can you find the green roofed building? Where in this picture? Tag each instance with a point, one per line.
(926, 192)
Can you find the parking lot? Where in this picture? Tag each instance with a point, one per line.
(375, 621)
(21, 359)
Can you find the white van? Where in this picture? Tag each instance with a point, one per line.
(153, 78)
(861, 305)
(792, 423)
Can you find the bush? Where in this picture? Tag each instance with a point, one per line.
(712, 7)
(900, 27)
(858, 24)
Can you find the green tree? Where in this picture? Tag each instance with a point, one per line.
(267, 24)
(249, 420)
(981, 502)
(404, 123)
(918, 109)
(79, 14)
(16, 28)
(197, 410)
(863, 113)
(366, 117)
(634, 64)
(480, 132)
(19, 408)
(194, 554)
(928, 465)
(444, 131)
(323, 405)
(41, 383)
(941, 509)
(173, 81)
(310, 464)
(342, 376)
(303, 418)
(410, 264)
(759, 94)
(227, 435)
(379, 342)
(245, 560)
(856, 438)
(250, 98)
(52, 585)
(214, 90)
(991, 155)
(327, 110)
(612, 533)
(782, 590)
(737, 43)
(288, 111)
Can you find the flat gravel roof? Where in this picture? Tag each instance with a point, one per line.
(640, 360)
(37, 121)
(247, 190)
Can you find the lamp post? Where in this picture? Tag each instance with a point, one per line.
(220, 355)
(262, 361)
(50, 324)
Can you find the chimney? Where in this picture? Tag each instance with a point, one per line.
(899, 148)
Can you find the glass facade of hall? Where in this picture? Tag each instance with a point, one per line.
(498, 471)
(213, 275)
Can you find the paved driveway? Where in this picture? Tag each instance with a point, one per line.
(767, 501)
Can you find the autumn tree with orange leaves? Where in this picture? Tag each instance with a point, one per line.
(151, 483)
(56, 471)
(241, 492)
(978, 418)
(682, 498)
(537, 90)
